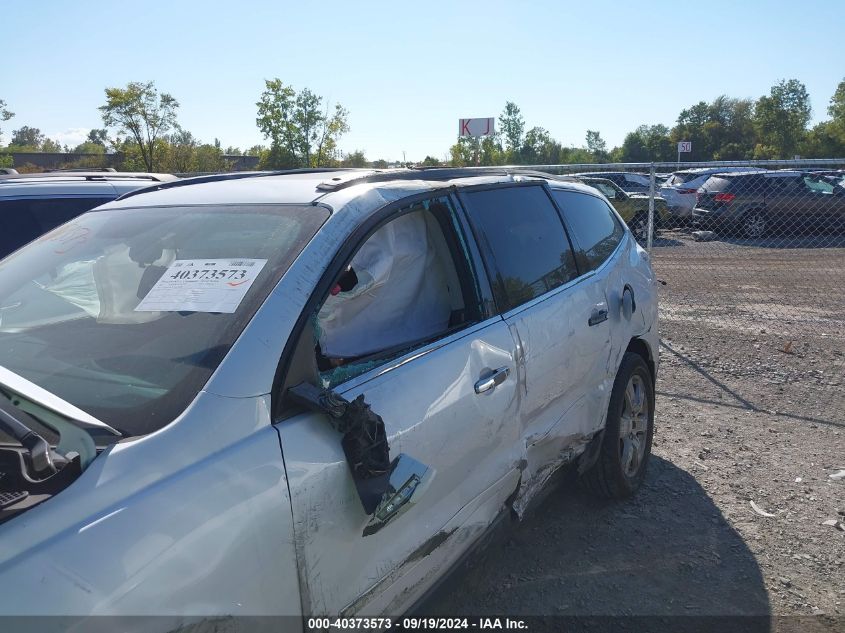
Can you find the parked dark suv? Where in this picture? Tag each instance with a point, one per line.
(754, 203)
(32, 204)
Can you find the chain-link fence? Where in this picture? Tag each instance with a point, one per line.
(753, 259)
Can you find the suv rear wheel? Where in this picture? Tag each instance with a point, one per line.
(626, 446)
(754, 224)
(639, 227)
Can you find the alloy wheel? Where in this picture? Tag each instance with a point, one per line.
(633, 426)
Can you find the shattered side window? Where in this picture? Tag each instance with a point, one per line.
(402, 289)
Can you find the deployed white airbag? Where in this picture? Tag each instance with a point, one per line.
(402, 294)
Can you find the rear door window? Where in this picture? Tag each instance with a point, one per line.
(681, 178)
(715, 183)
(595, 227)
(524, 240)
(50, 213)
(818, 185)
(21, 221)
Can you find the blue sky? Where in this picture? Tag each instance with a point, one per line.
(408, 71)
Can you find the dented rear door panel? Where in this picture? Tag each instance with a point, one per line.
(565, 368)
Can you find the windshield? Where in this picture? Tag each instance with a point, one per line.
(126, 313)
(607, 189)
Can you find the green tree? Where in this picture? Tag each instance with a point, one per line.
(465, 151)
(129, 156)
(209, 158)
(5, 115)
(512, 129)
(721, 130)
(301, 133)
(332, 128)
(781, 118)
(28, 139)
(430, 161)
(648, 143)
(539, 148)
(836, 110)
(142, 113)
(181, 154)
(98, 136)
(827, 138)
(50, 146)
(470, 151)
(354, 159)
(824, 140)
(596, 146)
(380, 164)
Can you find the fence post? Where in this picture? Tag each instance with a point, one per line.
(650, 207)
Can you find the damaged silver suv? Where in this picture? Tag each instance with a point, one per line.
(309, 392)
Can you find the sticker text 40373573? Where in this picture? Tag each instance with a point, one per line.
(201, 285)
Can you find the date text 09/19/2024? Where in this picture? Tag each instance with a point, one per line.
(417, 624)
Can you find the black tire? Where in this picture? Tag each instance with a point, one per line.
(639, 227)
(754, 224)
(608, 477)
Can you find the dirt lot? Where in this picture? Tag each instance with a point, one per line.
(750, 404)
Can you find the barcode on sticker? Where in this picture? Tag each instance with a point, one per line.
(241, 263)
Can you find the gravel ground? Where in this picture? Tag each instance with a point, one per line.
(750, 404)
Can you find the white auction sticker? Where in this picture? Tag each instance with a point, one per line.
(202, 285)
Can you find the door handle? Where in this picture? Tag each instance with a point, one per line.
(497, 377)
(629, 302)
(598, 316)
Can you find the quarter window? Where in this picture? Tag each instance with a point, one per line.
(594, 225)
(526, 241)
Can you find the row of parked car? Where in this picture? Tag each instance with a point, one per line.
(744, 200)
(748, 201)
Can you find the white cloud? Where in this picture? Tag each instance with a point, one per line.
(72, 136)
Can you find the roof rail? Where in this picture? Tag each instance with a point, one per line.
(237, 175)
(433, 173)
(353, 176)
(80, 169)
(86, 174)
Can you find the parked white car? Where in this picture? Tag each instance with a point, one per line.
(309, 393)
(681, 187)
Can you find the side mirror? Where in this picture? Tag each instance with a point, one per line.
(408, 481)
(386, 488)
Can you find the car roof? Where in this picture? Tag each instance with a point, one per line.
(781, 173)
(333, 187)
(716, 170)
(608, 173)
(61, 185)
(599, 177)
(82, 176)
